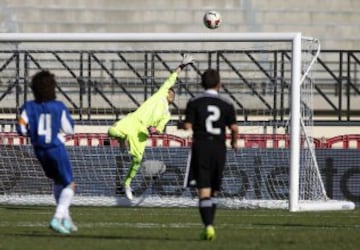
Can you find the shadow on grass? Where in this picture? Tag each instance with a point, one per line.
(29, 208)
(96, 237)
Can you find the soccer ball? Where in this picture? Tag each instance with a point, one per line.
(212, 19)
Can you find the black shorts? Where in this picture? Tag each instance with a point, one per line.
(207, 164)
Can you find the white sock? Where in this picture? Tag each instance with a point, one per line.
(65, 199)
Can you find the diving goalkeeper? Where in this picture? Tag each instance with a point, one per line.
(149, 118)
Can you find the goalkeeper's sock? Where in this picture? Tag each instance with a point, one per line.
(205, 208)
(135, 165)
(64, 202)
(127, 182)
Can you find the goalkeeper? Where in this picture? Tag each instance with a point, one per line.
(150, 118)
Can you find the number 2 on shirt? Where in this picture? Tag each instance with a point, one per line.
(212, 117)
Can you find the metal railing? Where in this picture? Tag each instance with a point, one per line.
(89, 79)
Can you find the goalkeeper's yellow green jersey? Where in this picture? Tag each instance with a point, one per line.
(154, 112)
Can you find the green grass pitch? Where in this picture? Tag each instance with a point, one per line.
(26, 227)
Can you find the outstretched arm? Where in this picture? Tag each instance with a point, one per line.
(186, 60)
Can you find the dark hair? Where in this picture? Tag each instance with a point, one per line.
(172, 90)
(43, 86)
(210, 78)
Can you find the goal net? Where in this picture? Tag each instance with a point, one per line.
(102, 77)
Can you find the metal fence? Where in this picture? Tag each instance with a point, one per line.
(88, 80)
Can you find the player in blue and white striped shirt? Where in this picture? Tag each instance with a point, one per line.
(43, 119)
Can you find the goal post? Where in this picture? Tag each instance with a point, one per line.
(119, 70)
(295, 124)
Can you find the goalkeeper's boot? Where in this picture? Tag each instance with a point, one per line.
(128, 192)
(55, 224)
(208, 233)
(69, 225)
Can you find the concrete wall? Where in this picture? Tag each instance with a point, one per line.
(334, 22)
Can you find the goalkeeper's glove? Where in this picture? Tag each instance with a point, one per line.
(187, 59)
(153, 131)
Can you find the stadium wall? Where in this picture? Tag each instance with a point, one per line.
(335, 23)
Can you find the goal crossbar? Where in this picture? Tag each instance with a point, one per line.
(148, 37)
